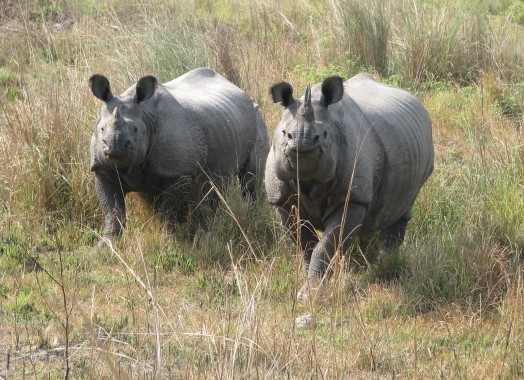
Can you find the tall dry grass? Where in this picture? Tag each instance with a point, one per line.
(424, 42)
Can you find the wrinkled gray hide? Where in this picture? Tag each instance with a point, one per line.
(358, 143)
(157, 139)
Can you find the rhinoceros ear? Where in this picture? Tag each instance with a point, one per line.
(145, 87)
(282, 93)
(100, 87)
(332, 90)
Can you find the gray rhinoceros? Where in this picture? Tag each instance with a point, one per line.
(157, 139)
(349, 158)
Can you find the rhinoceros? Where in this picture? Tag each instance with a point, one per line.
(348, 158)
(158, 139)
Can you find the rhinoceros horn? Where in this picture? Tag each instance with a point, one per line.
(118, 116)
(305, 112)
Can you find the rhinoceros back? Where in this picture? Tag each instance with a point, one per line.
(402, 127)
(224, 113)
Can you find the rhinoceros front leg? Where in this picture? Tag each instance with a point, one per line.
(302, 232)
(111, 197)
(338, 235)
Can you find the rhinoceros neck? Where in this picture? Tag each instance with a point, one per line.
(314, 189)
(314, 199)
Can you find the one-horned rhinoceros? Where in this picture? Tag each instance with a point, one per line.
(349, 158)
(157, 139)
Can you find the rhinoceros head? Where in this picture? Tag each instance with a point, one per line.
(121, 136)
(305, 143)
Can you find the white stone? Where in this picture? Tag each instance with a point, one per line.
(305, 322)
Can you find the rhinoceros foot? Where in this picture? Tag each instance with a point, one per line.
(310, 289)
(103, 245)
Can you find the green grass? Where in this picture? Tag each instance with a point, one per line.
(217, 298)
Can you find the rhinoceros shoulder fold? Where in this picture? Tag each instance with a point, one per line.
(379, 101)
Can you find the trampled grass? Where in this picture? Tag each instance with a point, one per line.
(216, 299)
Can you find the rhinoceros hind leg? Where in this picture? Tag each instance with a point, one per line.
(248, 184)
(175, 202)
(252, 171)
(393, 236)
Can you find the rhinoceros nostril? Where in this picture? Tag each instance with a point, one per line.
(316, 138)
(290, 136)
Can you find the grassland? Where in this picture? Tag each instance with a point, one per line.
(218, 300)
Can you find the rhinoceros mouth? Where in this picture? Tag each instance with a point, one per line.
(117, 158)
(303, 161)
(116, 155)
(117, 152)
